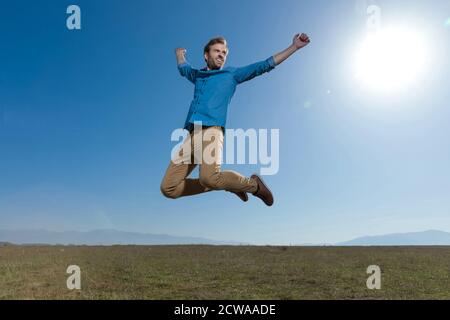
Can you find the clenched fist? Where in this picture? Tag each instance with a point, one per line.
(300, 40)
(180, 51)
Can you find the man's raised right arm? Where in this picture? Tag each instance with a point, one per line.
(180, 53)
(185, 68)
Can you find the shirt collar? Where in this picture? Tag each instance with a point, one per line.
(206, 69)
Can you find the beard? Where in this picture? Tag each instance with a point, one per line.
(212, 64)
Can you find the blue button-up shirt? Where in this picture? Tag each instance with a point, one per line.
(215, 88)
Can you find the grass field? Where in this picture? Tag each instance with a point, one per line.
(224, 272)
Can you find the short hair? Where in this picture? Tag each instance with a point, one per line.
(214, 41)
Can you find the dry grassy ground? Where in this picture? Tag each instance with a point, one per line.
(223, 272)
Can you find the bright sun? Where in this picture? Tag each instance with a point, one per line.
(390, 59)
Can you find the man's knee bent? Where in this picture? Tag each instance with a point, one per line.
(169, 191)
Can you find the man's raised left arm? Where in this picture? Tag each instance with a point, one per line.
(256, 69)
(299, 41)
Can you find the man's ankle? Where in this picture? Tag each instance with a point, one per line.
(257, 187)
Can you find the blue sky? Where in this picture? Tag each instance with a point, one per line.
(86, 118)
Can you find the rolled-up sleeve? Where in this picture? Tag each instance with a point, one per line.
(187, 71)
(253, 70)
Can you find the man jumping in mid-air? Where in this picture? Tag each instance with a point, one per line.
(214, 88)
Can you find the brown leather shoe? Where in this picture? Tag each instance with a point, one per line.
(242, 195)
(263, 191)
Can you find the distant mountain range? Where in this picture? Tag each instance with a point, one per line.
(115, 237)
(99, 237)
(430, 237)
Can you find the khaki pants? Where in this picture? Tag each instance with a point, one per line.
(175, 183)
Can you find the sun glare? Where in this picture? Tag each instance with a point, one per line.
(447, 22)
(390, 59)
